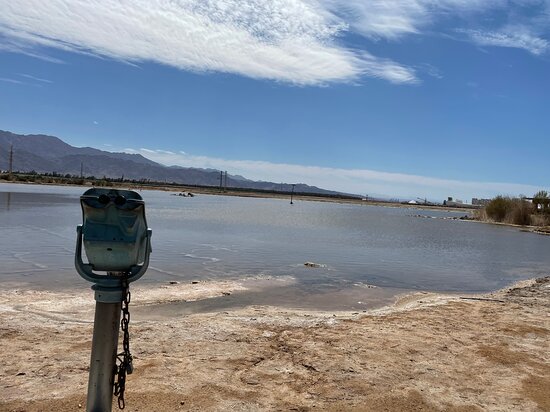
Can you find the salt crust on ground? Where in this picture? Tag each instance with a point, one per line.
(427, 352)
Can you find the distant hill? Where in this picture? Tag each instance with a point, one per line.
(46, 154)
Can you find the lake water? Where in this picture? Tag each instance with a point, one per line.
(222, 237)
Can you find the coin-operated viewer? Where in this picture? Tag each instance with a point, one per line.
(117, 242)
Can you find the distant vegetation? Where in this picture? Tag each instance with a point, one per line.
(518, 211)
(56, 178)
(68, 179)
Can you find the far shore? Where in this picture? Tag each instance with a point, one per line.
(210, 190)
(468, 210)
(426, 351)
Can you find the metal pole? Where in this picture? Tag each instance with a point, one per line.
(11, 159)
(102, 362)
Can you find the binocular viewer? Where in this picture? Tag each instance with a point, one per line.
(115, 236)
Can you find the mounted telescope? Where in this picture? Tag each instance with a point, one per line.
(117, 242)
(115, 236)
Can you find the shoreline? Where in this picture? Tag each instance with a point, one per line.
(427, 351)
(263, 195)
(541, 230)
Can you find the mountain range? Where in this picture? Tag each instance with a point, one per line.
(47, 154)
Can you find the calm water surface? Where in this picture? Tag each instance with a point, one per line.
(214, 237)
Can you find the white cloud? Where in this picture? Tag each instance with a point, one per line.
(379, 18)
(8, 80)
(520, 28)
(294, 41)
(168, 152)
(39, 79)
(388, 70)
(11, 45)
(517, 37)
(394, 19)
(359, 181)
(430, 70)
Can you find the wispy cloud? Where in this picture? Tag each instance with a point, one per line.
(294, 41)
(359, 181)
(388, 70)
(12, 45)
(520, 23)
(8, 80)
(394, 19)
(430, 70)
(519, 38)
(381, 19)
(38, 79)
(301, 42)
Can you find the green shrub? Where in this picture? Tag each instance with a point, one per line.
(520, 213)
(543, 200)
(505, 209)
(541, 195)
(498, 208)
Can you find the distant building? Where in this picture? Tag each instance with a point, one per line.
(453, 203)
(480, 202)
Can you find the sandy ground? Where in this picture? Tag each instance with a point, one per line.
(427, 352)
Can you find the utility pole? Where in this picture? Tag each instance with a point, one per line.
(11, 159)
(225, 182)
(81, 170)
(291, 194)
(221, 181)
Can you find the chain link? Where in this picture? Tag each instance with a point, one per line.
(124, 358)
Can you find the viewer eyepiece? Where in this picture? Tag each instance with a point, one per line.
(120, 200)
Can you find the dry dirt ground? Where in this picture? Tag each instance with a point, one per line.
(427, 352)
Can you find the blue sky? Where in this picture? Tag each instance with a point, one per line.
(406, 98)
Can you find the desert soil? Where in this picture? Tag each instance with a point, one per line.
(426, 352)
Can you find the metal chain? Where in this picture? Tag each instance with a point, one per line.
(124, 358)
